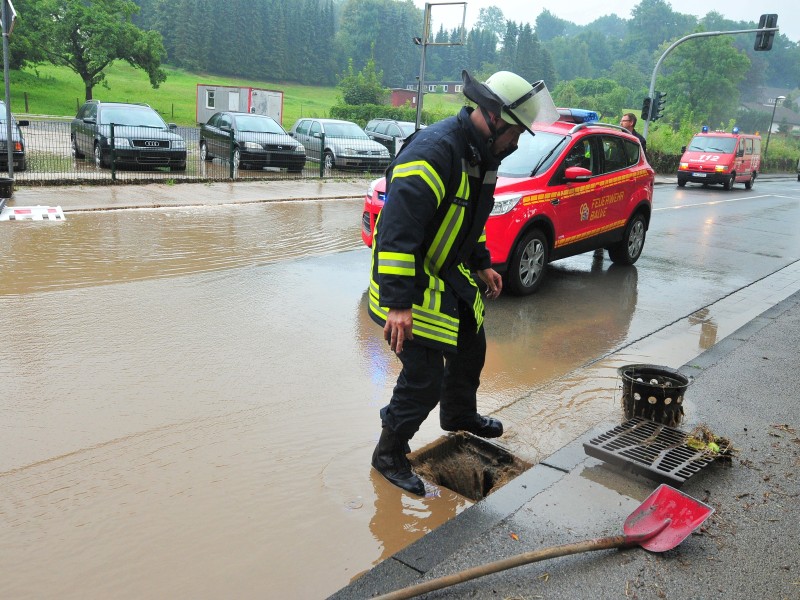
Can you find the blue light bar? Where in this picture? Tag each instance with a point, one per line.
(735, 130)
(577, 115)
(705, 129)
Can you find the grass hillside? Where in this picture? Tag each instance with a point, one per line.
(58, 91)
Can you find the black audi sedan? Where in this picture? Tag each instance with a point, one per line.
(128, 134)
(250, 141)
(17, 141)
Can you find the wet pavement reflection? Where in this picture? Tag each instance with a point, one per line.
(190, 396)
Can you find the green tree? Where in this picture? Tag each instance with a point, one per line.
(492, 19)
(696, 93)
(88, 35)
(363, 87)
(549, 26)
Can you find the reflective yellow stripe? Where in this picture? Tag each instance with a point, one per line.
(427, 324)
(396, 263)
(445, 237)
(477, 304)
(482, 236)
(426, 172)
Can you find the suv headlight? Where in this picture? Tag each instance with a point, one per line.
(179, 145)
(121, 142)
(299, 148)
(503, 204)
(253, 146)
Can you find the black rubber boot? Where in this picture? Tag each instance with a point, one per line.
(389, 459)
(485, 427)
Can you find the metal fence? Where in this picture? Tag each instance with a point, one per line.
(51, 158)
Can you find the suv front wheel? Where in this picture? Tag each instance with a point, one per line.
(528, 263)
(630, 248)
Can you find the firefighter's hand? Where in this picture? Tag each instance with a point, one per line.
(493, 281)
(398, 328)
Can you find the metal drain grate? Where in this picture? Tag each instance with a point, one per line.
(656, 451)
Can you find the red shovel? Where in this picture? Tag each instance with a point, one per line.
(660, 523)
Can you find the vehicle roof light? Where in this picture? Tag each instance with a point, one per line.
(577, 115)
(705, 129)
(735, 130)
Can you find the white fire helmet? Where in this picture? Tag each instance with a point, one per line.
(513, 98)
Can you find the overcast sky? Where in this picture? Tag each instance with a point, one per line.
(582, 12)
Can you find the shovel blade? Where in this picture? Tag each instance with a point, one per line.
(685, 514)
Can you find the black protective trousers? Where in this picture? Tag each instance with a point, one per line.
(431, 376)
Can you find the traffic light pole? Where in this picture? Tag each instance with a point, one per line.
(652, 90)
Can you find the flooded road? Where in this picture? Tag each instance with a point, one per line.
(190, 396)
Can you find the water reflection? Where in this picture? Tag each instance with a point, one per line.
(708, 328)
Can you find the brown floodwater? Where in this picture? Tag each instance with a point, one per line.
(190, 397)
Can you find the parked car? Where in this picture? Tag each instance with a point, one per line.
(390, 133)
(575, 186)
(141, 137)
(18, 148)
(250, 140)
(347, 146)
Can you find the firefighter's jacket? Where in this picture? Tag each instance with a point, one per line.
(430, 233)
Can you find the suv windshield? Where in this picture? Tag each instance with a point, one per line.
(135, 116)
(702, 143)
(257, 124)
(344, 130)
(532, 150)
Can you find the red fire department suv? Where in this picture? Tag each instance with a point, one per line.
(575, 186)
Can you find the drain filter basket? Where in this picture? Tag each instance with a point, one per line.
(653, 392)
(656, 451)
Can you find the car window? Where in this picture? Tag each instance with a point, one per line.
(701, 143)
(534, 153)
(139, 117)
(381, 127)
(393, 130)
(613, 153)
(371, 126)
(302, 127)
(257, 124)
(344, 130)
(407, 128)
(213, 120)
(315, 128)
(225, 121)
(632, 151)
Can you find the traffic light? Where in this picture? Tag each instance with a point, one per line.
(657, 109)
(764, 38)
(646, 105)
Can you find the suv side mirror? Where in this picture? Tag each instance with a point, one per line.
(172, 125)
(90, 120)
(577, 174)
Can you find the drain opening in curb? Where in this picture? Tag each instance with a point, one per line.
(467, 465)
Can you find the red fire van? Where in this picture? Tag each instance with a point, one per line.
(719, 157)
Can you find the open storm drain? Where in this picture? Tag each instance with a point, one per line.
(466, 464)
(658, 452)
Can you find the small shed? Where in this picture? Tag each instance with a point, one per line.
(214, 98)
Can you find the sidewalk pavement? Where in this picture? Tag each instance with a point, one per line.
(744, 389)
(157, 195)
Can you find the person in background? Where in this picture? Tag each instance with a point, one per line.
(429, 239)
(629, 122)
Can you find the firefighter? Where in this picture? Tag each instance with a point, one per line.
(429, 238)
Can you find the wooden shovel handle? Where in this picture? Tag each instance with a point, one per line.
(617, 541)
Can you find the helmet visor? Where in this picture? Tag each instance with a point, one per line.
(536, 106)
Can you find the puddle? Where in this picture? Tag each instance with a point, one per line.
(467, 465)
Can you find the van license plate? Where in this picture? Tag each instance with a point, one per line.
(698, 174)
